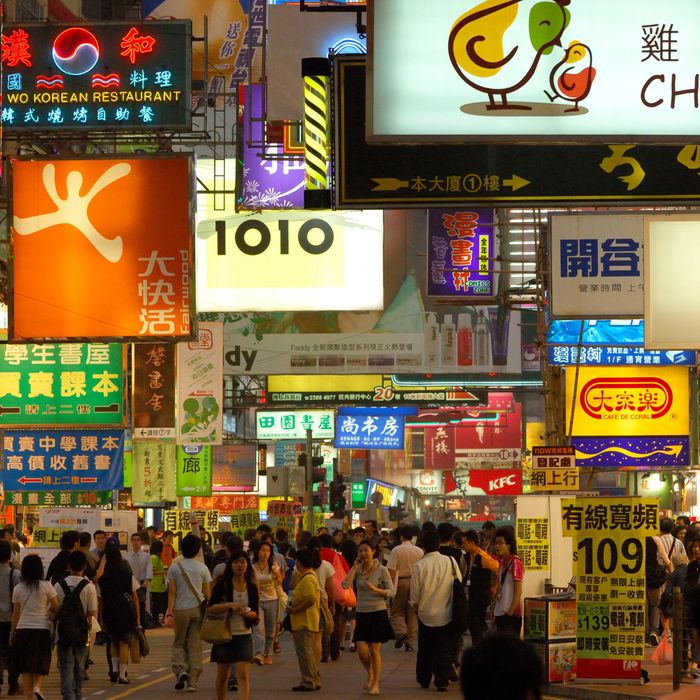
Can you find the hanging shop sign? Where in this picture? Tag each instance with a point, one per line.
(533, 543)
(153, 391)
(153, 471)
(670, 282)
(200, 387)
(369, 432)
(58, 498)
(596, 265)
(554, 479)
(381, 176)
(235, 467)
(225, 503)
(243, 520)
(108, 257)
(553, 457)
(292, 425)
(358, 494)
(270, 178)
(634, 401)
(68, 384)
(429, 483)
(63, 460)
(194, 470)
(104, 76)
(549, 64)
(292, 509)
(489, 482)
(597, 355)
(291, 261)
(180, 520)
(609, 550)
(439, 447)
(461, 253)
(631, 452)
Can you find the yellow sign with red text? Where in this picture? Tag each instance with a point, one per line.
(628, 401)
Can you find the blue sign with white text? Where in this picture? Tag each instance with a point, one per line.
(66, 460)
(597, 332)
(370, 432)
(563, 355)
(632, 452)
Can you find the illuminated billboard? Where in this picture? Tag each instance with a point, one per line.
(117, 75)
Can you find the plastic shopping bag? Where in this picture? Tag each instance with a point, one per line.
(663, 654)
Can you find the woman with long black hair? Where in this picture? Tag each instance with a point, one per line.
(268, 578)
(30, 635)
(236, 591)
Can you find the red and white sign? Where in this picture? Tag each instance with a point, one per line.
(439, 447)
(484, 482)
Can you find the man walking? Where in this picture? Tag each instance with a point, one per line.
(480, 581)
(431, 595)
(400, 564)
(142, 569)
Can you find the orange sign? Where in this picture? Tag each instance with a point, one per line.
(102, 248)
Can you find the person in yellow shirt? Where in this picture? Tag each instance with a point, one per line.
(304, 612)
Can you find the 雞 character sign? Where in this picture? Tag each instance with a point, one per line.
(73, 209)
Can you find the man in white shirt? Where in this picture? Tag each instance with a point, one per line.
(403, 616)
(141, 568)
(431, 597)
(72, 657)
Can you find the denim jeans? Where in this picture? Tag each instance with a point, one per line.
(71, 664)
(265, 631)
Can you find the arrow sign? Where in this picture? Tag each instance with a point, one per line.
(671, 450)
(88, 480)
(9, 409)
(516, 182)
(29, 480)
(389, 184)
(112, 408)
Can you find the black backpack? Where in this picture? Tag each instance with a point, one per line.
(72, 621)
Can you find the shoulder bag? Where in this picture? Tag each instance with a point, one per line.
(197, 595)
(216, 628)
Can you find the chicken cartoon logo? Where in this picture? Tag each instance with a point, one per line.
(496, 48)
(571, 79)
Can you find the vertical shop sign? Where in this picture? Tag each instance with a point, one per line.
(533, 543)
(153, 471)
(194, 470)
(609, 551)
(153, 394)
(439, 448)
(200, 387)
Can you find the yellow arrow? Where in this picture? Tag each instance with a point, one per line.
(674, 450)
(516, 182)
(388, 184)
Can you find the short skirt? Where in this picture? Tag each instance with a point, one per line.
(31, 651)
(240, 648)
(373, 627)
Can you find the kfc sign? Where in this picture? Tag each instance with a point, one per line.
(487, 482)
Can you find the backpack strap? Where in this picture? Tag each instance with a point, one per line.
(79, 588)
(198, 597)
(66, 588)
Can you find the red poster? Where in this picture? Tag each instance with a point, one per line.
(225, 503)
(484, 482)
(439, 448)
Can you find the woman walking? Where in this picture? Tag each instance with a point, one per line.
(235, 591)
(30, 634)
(118, 610)
(507, 616)
(374, 587)
(159, 588)
(268, 578)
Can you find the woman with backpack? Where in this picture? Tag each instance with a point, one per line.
(118, 606)
(33, 599)
(235, 591)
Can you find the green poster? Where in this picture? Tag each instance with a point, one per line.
(128, 470)
(58, 498)
(358, 494)
(194, 470)
(62, 384)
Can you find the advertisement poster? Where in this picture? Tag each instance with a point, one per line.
(596, 265)
(439, 447)
(269, 181)
(243, 520)
(535, 619)
(80, 519)
(561, 662)
(102, 248)
(200, 388)
(628, 453)
(628, 401)
(609, 552)
(63, 460)
(194, 470)
(153, 471)
(153, 393)
(562, 619)
(292, 425)
(234, 467)
(179, 520)
(461, 253)
(533, 544)
(66, 384)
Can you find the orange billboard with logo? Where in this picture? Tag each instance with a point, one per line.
(102, 248)
(628, 401)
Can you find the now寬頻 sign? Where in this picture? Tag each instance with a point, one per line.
(153, 473)
(67, 383)
(194, 470)
(63, 460)
(632, 452)
(102, 248)
(153, 391)
(292, 425)
(553, 456)
(58, 498)
(108, 76)
(460, 249)
(566, 72)
(596, 265)
(370, 432)
(628, 401)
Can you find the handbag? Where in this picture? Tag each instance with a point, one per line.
(144, 647)
(216, 628)
(459, 620)
(202, 602)
(663, 654)
(134, 649)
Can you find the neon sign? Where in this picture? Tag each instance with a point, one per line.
(117, 75)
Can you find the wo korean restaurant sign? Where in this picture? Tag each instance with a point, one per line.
(102, 248)
(622, 401)
(550, 70)
(61, 384)
(106, 76)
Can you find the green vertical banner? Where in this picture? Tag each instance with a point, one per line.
(128, 470)
(194, 470)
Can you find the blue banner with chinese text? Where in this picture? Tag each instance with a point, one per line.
(370, 432)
